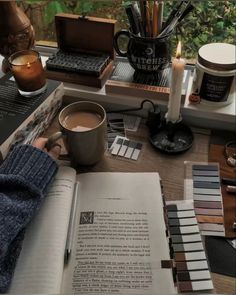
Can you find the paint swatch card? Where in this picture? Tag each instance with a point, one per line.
(118, 123)
(131, 122)
(115, 127)
(126, 148)
(186, 248)
(202, 185)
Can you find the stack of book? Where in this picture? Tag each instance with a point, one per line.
(23, 119)
(125, 81)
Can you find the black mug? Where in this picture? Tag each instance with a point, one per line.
(145, 54)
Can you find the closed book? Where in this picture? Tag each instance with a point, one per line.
(156, 86)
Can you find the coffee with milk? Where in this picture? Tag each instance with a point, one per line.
(82, 121)
(83, 128)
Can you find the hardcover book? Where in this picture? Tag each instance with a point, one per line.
(125, 81)
(23, 119)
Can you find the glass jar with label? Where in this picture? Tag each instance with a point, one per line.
(214, 79)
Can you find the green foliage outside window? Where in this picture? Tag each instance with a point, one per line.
(210, 21)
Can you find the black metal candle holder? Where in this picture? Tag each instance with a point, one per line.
(172, 138)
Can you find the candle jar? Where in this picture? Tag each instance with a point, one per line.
(27, 69)
(214, 80)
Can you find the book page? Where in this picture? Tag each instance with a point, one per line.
(120, 237)
(40, 265)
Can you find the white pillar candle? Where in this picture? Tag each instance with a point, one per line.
(178, 65)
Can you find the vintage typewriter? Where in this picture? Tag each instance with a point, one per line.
(81, 63)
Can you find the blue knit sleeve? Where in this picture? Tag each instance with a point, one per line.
(24, 178)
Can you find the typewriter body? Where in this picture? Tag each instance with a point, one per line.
(85, 50)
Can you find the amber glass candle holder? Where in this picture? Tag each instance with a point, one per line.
(27, 69)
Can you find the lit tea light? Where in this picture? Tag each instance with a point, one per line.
(178, 65)
(27, 69)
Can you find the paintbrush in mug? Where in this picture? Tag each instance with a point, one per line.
(173, 13)
(180, 14)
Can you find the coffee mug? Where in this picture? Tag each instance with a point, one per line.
(83, 129)
(145, 54)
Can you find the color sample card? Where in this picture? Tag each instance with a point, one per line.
(181, 214)
(124, 147)
(182, 221)
(180, 206)
(190, 256)
(191, 265)
(186, 238)
(206, 211)
(186, 248)
(189, 286)
(202, 183)
(131, 122)
(118, 123)
(115, 127)
(182, 230)
(208, 189)
(194, 275)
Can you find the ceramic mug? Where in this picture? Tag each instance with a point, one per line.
(84, 131)
(145, 54)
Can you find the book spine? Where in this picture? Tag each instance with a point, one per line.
(36, 123)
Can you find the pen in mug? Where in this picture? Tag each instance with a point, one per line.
(134, 27)
(71, 226)
(138, 17)
(183, 10)
(142, 5)
(173, 13)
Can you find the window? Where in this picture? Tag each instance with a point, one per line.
(210, 21)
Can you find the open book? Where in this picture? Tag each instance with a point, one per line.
(118, 242)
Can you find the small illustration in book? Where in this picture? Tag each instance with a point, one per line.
(86, 217)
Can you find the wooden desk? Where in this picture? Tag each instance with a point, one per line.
(171, 170)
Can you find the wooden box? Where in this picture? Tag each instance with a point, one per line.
(84, 35)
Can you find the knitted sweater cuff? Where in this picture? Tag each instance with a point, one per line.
(31, 164)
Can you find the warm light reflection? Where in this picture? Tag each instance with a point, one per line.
(28, 65)
(178, 50)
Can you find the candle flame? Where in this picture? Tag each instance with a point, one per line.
(28, 65)
(178, 50)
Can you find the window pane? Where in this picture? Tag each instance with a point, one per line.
(210, 21)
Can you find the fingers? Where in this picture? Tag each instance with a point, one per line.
(55, 151)
(40, 143)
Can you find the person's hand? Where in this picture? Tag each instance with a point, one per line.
(40, 144)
